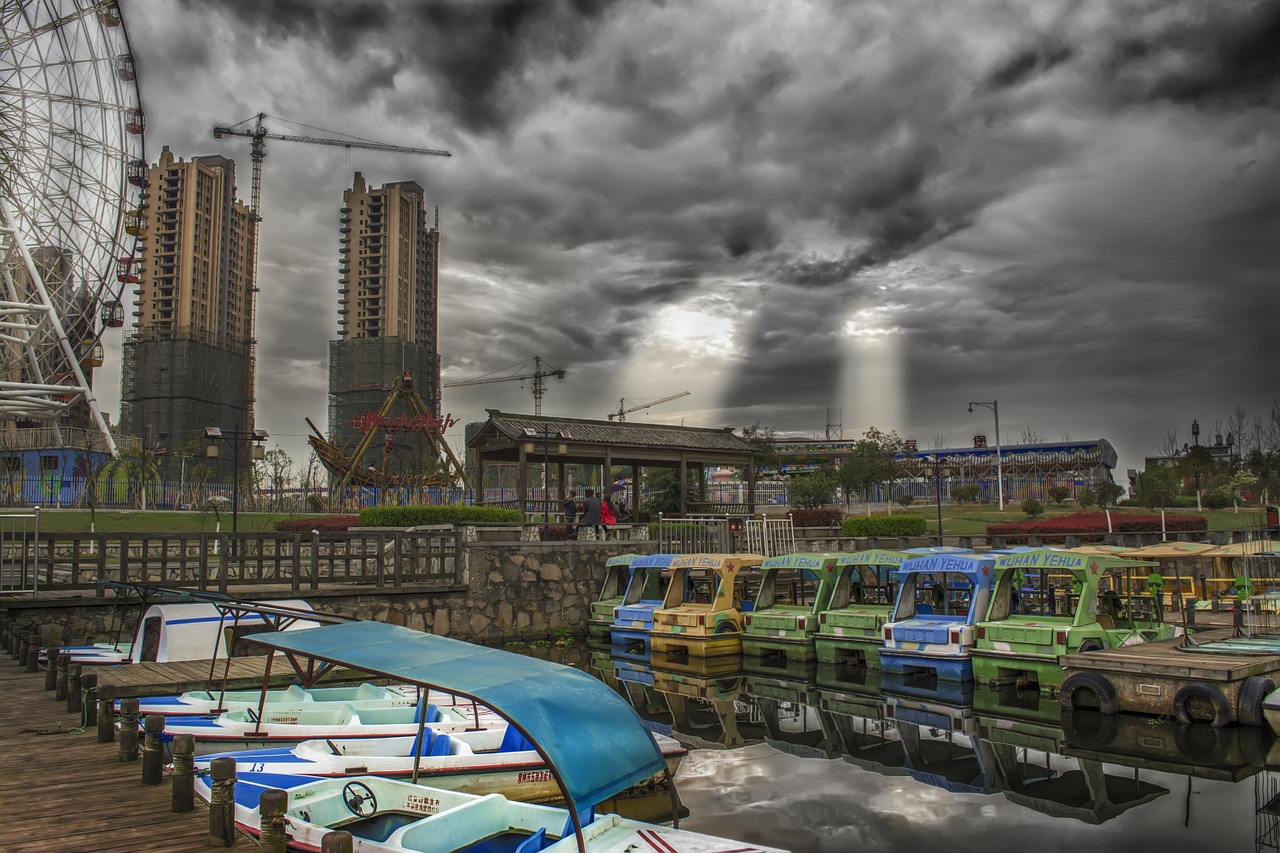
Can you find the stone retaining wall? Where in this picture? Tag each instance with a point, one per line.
(512, 591)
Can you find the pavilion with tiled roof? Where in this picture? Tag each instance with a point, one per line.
(531, 441)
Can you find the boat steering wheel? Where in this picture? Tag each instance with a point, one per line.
(359, 799)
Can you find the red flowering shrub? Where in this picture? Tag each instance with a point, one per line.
(1092, 526)
(323, 523)
(816, 517)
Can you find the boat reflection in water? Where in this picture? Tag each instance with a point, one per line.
(851, 758)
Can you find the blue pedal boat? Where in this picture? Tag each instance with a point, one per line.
(941, 597)
(633, 617)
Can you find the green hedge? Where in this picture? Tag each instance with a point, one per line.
(884, 525)
(412, 516)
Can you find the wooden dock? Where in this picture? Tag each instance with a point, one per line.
(1164, 679)
(65, 791)
(167, 679)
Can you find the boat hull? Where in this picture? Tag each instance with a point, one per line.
(951, 668)
(797, 650)
(848, 650)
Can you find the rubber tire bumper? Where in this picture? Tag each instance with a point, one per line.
(1249, 708)
(1210, 694)
(1095, 683)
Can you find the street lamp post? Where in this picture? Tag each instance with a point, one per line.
(937, 479)
(236, 437)
(994, 406)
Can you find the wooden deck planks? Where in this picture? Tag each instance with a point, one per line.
(1167, 658)
(165, 679)
(61, 792)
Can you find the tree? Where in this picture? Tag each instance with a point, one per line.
(813, 490)
(1157, 486)
(1106, 493)
(968, 492)
(905, 500)
(1197, 464)
(663, 485)
(872, 460)
(1033, 507)
(766, 441)
(1058, 494)
(279, 473)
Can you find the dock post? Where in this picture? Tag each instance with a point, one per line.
(222, 802)
(60, 686)
(337, 841)
(271, 808)
(11, 640)
(24, 643)
(1189, 619)
(51, 669)
(89, 683)
(32, 659)
(184, 773)
(128, 729)
(153, 750)
(75, 699)
(106, 714)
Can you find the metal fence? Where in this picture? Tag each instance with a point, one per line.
(694, 535)
(770, 537)
(19, 559)
(217, 561)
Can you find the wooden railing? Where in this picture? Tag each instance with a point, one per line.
(218, 561)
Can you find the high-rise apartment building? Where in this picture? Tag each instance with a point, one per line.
(186, 366)
(388, 291)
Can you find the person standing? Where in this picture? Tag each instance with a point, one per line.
(571, 508)
(590, 514)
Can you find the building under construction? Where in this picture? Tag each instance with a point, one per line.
(187, 366)
(387, 321)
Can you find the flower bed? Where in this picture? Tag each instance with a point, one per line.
(323, 523)
(1092, 526)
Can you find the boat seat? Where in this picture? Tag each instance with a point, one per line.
(1106, 622)
(533, 843)
(441, 744)
(747, 606)
(924, 610)
(514, 741)
(424, 747)
(432, 715)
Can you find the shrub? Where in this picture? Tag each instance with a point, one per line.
(558, 532)
(968, 492)
(884, 525)
(813, 490)
(1216, 500)
(1092, 526)
(323, 523)
(816, 517)
(412, 516)
(1058, 494)
(1085, 498)
(1033, 507)
(905, 500)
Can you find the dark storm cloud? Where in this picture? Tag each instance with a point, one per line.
(1217, 55)
(1028, 196)
(472, 52)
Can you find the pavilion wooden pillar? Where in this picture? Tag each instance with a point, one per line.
(477, 489)
(751, 486)
(702, 482)
(560, 480)
(684, 479)
(606, 479)
(522, 480)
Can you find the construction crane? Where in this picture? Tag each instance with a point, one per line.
(258, 136)
(623, 411)
(538, 375)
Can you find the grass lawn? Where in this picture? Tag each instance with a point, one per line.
(973, 520)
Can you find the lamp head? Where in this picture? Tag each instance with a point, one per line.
(971, 408)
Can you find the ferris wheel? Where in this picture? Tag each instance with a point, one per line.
(72, 180)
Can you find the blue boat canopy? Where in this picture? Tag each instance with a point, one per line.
(649, 561)
(589, 736)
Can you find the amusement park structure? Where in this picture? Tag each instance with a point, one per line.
(435, 463)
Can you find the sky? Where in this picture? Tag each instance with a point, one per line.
(809, 215)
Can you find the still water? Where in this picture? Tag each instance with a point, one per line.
(829, 759)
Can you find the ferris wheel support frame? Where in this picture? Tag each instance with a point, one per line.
(46, 313)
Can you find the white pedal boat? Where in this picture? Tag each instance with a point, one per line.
(392, 816)
(490, 761)
(213, 702)
(292, 724)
